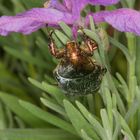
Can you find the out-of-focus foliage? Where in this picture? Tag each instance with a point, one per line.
(111, 114)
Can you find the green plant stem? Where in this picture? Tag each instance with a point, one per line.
(131, 42)
(138, 60)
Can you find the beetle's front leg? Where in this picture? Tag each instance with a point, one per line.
(53, 49)
(89, 44)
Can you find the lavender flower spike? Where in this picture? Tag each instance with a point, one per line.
(67, 11)
(124, 19)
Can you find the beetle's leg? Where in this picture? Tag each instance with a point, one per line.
(53, 49)
(90, 44)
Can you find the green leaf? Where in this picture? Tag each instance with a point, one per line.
(46, 116)
(90, 100)
(33, 3)
(93, 35)
(50, 89)
(66, 29)
(85, 136)
(92, 25)
(36, 83)
(54, 91)
(130, 3)
(3, 122)
(19, 122)
(114, 101)
(61, 36)
(26, 57)
(101, 45)
(126, 135)
(121, 47)
(138, 134)
(50, 79)
(112, 86)
(123, 85)
(132, 110)
(26, 116)
(57, 108)
(78, 120)
(106, 124)
(36, 134)
(117, 128)
(108, 102)
(124, 124)
(9, 82)
(4, 10)
(96, 125)
(10, 117)
(18, 7)
(44, 49)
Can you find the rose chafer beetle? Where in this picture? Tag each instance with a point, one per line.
(77, 73)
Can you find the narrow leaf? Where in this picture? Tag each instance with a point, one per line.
(126, 135)
(121, 47)
(26, 116)
(106, 124)
(66, 29)
(57, 108)
(50, 89)
(54, 91)
(124, 124)
(61, 36)
(26, 57)
(92, 25)
(132, 110)
(46, 116)
(78, 120)
(36, 134)
(85, 136)
(96, 125)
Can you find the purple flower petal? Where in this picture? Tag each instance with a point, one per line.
(57, 4)
(78, 5)
(103, 2)
(125, 20)
(67, 11)
(32, 20)
(68, 4)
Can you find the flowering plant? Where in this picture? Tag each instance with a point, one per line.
(124, 19)
(112, 114)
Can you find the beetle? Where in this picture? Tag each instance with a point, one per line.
(77, 73)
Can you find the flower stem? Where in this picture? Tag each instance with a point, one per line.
(131, 41)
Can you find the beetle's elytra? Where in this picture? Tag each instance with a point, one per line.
(77, 73)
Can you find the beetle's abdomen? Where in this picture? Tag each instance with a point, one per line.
(84, 83)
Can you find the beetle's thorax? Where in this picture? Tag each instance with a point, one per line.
(72, 52)
(74, 57)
